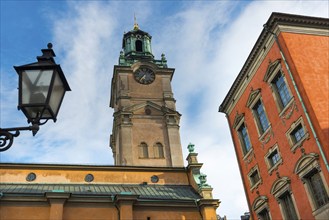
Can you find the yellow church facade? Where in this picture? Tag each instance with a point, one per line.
(40, 191)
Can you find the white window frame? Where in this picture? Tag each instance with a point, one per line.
(259, 204)
(307, 164)
(275, 68)
(279, 188)
(294, 145)
(253, 99)
(238, 122)
(256, 184)
(267, 158)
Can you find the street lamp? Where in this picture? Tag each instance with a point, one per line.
(41, 88)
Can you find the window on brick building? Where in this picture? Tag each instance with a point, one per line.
(318, 191)
(261, 208)
(281, 190)
(261, 118)
(254, 177)
(244, 138)
(242, 133)
(274, 158)
(287, 206)
(281, 90)
(264, 215)
(297, 134)
(309, 171)
(255, 103)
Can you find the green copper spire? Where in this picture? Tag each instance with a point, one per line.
(136, 46)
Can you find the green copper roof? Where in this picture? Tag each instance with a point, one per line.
(170, 192)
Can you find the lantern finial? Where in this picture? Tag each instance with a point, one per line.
(50, 45)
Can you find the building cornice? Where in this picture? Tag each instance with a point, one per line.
(89, 167)
(278, 22)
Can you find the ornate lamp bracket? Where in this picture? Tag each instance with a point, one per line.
(7, 137)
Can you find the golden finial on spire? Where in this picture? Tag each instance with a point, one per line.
(135, 23)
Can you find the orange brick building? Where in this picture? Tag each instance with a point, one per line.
(278, 114)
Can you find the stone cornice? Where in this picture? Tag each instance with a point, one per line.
(27, 166)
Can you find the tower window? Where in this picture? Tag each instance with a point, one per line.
(158, 151)
(143, 150)
(139, 46)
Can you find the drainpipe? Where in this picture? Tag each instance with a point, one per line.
(198, 207)
(116, 206)
(299, 97)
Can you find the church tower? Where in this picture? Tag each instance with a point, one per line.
(146, 124)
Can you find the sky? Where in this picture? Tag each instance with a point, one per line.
(207, 42)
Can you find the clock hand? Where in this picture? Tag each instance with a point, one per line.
(143, 77)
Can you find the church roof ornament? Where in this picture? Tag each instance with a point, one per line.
(136, 27)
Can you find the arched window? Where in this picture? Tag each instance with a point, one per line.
(260, 206)
(281, 190)
(158, 150)
(143, 150)
(139, 46)
(309, 171)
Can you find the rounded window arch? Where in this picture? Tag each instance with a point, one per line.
(158, 150)
(143, 150)
(139, 46)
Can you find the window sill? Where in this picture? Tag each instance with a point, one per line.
(322, 212)
(284, 111)
(275, 166)
(248, 156)
(255, 186)
(161, 158)
(266, 136)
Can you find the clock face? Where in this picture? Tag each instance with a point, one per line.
(144, 75)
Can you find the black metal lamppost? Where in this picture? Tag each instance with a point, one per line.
(41, 89)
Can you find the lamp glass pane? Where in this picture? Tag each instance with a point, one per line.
(33, 111)
(56, 94)
(35, 86)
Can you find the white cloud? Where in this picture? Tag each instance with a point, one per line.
(202, 40)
